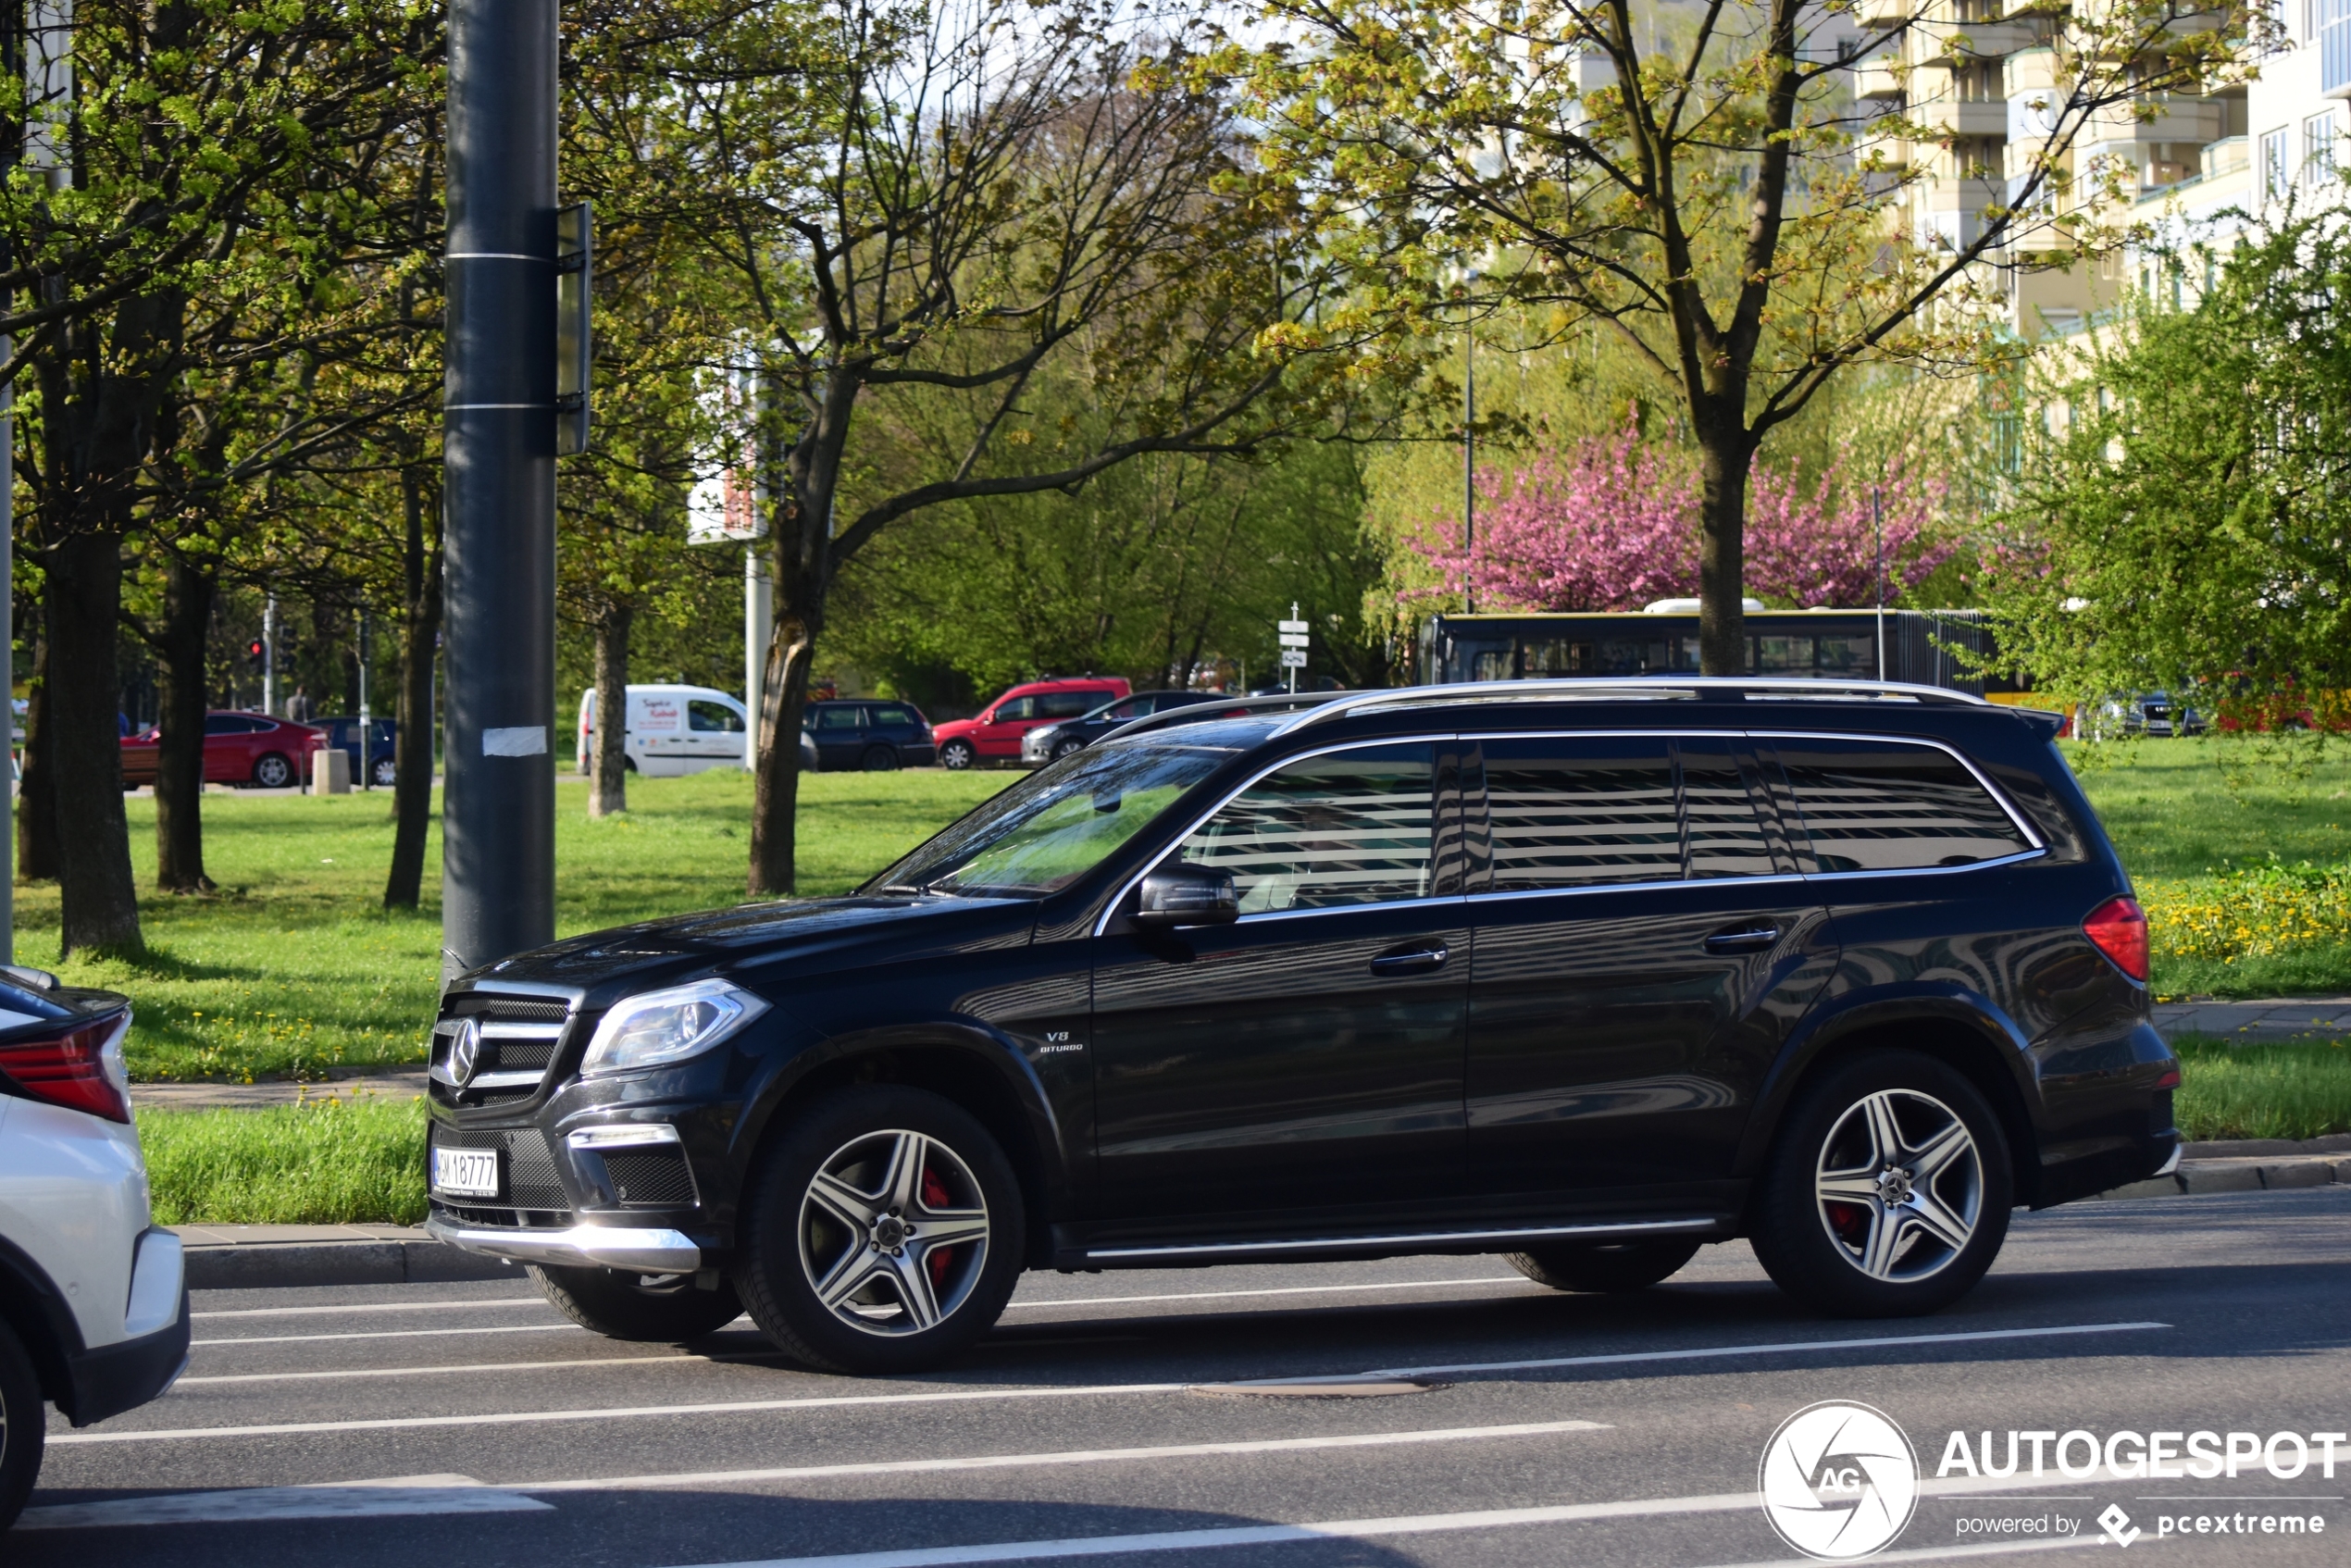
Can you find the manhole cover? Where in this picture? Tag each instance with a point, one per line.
(1315, 1388)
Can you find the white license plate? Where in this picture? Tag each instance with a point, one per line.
(472, 1172)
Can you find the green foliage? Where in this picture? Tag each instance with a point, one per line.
(335, 1162)
(2180, 525)
(2289, 1090)
(293, 968)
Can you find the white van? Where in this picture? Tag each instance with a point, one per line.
(673, 729)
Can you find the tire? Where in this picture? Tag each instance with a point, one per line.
(1063, 748)
(23, 1426)
(879, 759)
(272, 771)
(665, 1309)
(1625, 1265)
(887, 1153)
(1860, 1254)
(386, 775)
(957, 755)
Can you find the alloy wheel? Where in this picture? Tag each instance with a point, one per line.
(893, 1233)
(1900, 1185)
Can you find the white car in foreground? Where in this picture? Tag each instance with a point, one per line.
(93, 1303)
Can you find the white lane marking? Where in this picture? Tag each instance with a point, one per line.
(1072, 1456)
(475, 1368)
(1333, 1530)
(1277, 1290)
(379, 1307)
(1976, 1336)
(385, 1334)
(408, 1495)
(1096, 1391)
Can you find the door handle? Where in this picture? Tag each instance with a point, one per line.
(1412, 961)
(1742, 939)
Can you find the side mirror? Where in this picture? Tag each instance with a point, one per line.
(1188, 895)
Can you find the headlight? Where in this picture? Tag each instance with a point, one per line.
(663, 1026)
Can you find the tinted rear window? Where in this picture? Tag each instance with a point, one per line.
(895, 716)
(1067, 704)
(1881, 805)
(1571, 810)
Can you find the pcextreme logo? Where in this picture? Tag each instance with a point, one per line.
(1839, 1480)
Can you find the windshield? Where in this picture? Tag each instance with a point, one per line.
(1055, 825)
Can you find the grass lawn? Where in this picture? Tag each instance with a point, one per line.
(2284, 1090)
(293, 967)
(2231, 916)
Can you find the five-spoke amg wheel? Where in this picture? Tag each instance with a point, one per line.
(1889, 1192)
(1608, 1267)
(884, 1232)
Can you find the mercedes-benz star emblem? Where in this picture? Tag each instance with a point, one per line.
(465, 1052)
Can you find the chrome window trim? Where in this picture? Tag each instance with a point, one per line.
(1102, 921)
(1761, 881)
(1999, 797)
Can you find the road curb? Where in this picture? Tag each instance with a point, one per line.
(266, 1264)
(2198, 1177)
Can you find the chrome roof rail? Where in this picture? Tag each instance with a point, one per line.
(1235, 707)
(1652, 688)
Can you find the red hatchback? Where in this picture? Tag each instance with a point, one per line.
(995, 735)
(238, 749)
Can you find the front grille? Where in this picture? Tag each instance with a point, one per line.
(512, 1219)
(508, 1009)
(655, 1177)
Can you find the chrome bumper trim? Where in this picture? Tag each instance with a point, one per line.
(593, 1246)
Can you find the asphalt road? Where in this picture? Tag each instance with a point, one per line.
(470, 1425)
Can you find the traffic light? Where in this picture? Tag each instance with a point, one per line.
(258, 652)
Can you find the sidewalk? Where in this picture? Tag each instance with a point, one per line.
(405, 1083)
(2284, 1018)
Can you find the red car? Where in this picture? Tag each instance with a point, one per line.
(995, 735)
(238, 749)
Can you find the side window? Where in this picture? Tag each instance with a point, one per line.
(893, 715)
(835, 720)
(1726, 837)
(1571, 810)
(704, 714)
(1885, 806)
(1018, 708)
(1350, 827)
(1067, 704)
(1134, 707)
(228, 724)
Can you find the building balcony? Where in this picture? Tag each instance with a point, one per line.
(1881, 77)
(1955, 118)
(2176, 118)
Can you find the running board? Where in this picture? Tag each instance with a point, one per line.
(1404, 1242)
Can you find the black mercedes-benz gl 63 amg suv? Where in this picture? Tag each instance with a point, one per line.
(1588, 975)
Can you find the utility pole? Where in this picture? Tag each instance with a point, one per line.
(269, 655)
(1469, 468)
(366, 725)
(1877, 528)
(499, 443)
(759, 629)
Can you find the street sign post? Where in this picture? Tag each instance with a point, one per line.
(1294, 638)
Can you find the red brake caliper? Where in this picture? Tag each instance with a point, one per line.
(935, 1196)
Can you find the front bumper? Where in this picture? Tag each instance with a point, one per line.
(578, 1246)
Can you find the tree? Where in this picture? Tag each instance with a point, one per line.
(1612, 523)
(911, 201)
(2183, 522)
(1694, 188)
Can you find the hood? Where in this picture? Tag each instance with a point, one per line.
(952, 727)
(756, 936)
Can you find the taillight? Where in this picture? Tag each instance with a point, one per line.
(80, 1067)
(2118, 926)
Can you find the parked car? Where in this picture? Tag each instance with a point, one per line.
(2148, 712)
(93, 1308)
(1586, 974)
(1051, 742)
(239, 748)
(375, 763)
(995, 735)
(876, 736)
(672, 730)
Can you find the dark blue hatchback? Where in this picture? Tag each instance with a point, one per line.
(878, 737)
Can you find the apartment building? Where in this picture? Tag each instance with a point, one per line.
(1981, 73)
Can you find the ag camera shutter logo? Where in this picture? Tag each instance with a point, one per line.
(1839, 1480)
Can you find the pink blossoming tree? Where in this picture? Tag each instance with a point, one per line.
(1612, 523)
